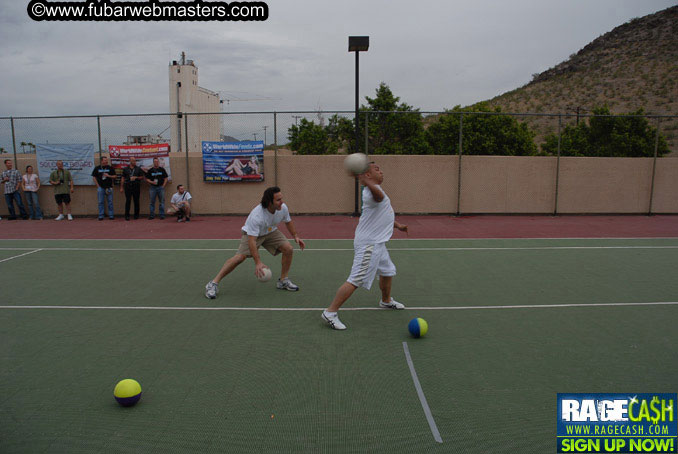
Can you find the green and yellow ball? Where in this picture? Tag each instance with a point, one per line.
(418, 327)
(127, 392)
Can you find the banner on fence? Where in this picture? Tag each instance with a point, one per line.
(233, 161)
(78, 158)
(143, 154)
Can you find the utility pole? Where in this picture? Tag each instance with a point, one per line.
(255, 136)
(296, 117)
(265, 136)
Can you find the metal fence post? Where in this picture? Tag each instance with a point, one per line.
(461, 127)
(11, 120)
(555, 207)
(275, 148)
(654, 166)
(186, 137)
(367, 120)
(99, 134)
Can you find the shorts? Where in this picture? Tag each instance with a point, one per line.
(368, 261)
(62, 198)
(271, 242)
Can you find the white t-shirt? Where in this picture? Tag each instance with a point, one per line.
(31, 182)
(185, 197)
(261, 222)
(376, 221)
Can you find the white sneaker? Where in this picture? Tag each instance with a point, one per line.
(59, 218)
(70, 218)
(211, 290)
(333, 320)
(393, 304)
(286, 284)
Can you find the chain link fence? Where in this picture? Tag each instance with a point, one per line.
(472, 162)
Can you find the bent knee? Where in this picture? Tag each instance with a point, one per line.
(286, 249)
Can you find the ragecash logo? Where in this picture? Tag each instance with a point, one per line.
(615, 422)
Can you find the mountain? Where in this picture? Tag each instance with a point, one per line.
(634, 66)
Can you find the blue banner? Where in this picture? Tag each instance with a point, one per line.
(615, 422)
(78, 158)
(233, 161)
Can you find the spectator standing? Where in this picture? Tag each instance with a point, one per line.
(103, 176)
(12, 179)
(63, 188)
(132, 176)
(157, 178)
(30, 183)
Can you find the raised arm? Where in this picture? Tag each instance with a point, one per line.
(368, 182)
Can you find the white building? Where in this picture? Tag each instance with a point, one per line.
(187, 96)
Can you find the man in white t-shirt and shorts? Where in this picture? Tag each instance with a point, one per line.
(370, 257)
(261, 229)
(180, 204)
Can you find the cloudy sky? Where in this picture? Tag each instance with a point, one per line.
(434, 54)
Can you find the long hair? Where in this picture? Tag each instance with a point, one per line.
(267, 198)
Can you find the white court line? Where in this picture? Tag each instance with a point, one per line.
(422, 398)
(20, 255)
(634, 238)
(459, 249)
(306, 309)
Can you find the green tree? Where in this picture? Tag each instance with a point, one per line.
(629, 135)
(393, 128)
(488, 133)
(310, 138)
(341, 133)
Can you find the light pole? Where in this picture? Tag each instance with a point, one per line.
(357, 44)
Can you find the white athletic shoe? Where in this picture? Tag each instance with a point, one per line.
(286, 284)
(333, 320)
(393, 304)
(70, 218)
(211, 290)
(59, 218)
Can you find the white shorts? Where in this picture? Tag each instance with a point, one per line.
(368, 261)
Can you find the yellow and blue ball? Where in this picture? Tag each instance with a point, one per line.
(418, 327)
(127, 392)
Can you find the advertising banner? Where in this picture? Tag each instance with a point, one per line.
(78, 158)
(144, 155)
(233, 161)
(616, 422)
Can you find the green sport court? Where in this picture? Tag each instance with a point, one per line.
(512, 322)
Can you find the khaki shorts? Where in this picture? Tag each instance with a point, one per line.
(271, 242)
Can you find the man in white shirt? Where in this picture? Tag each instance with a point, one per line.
(181, 204)
(370, 256)
(261, 229)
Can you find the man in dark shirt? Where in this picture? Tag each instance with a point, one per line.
(103, 176)
(131, 182)
(157, 178)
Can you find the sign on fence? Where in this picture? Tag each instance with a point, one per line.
(78, 158)
(144, 155)
(233, 161)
